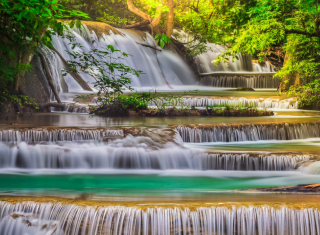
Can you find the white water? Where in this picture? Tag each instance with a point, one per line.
(259, 103)
(233, 81)
(153, 63)
(48, 218)
(54, 135)
(205, 62)
(54, 64)
(249, 132)
(120, 154)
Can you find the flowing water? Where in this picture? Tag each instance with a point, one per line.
(47, 218)
(69, 172)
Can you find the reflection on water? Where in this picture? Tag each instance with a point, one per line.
(85, 120)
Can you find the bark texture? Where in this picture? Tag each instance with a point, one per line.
(154, 22)
(170, 19)
(292, 79)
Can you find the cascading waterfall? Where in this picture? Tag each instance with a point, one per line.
(244, 63)
(238, 73)
(115, 156)
(54, 135)
(72, 108)
(54, 64)
(55, 218)
(249, 132)
(158, 67)
(255, 102)
(245, 80)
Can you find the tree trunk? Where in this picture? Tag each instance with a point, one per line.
(170, 19)
(76, 76)
(24, 57)
(155, 27)
(136, 11)
(154, 23)
(292, 79)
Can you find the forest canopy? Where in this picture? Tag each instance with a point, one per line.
(285, 33)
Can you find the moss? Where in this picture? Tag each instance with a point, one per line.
(99, 28)
(244, 89)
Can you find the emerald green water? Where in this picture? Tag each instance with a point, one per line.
(105, 184)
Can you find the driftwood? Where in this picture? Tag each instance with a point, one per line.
(146, 45)
(75, 75)
(137, 25)
(56, 105)
(49, 78)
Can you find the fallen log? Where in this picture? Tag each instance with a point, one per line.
(56, 105)
(75, 75)
(146, 45)
(49, 78)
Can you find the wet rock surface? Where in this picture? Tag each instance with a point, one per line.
(303, 188)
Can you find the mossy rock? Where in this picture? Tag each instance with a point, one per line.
(244, 89)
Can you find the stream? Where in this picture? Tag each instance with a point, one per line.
(75, 173)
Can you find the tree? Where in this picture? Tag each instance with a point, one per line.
(24, 24)
(154, 21)
(272, 28)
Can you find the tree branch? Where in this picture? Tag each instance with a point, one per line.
(136, 11)
(136, 25)
(156, 20)
(146, 45)
(296, 31)
(75, 75)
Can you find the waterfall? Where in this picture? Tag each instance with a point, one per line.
(54, 64)
(249, 132)
(53, 135)
(255, 102)
(72, 108)
(115, 156)
(246, 80)
(154, 64)
(55, 218)
(244, 63)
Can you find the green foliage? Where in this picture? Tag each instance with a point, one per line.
(162, 39)
(308, 94)
(163, 101)
(113, 12)
(111, 78)
(283, 32)
(23, 25)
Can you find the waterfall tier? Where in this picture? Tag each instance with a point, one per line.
(234, 81)
(256, 102)
(31, 218)
(249, 132)
(244, 63)
(118, 156)
(203, 102)
(159, 67)
(54, 135)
